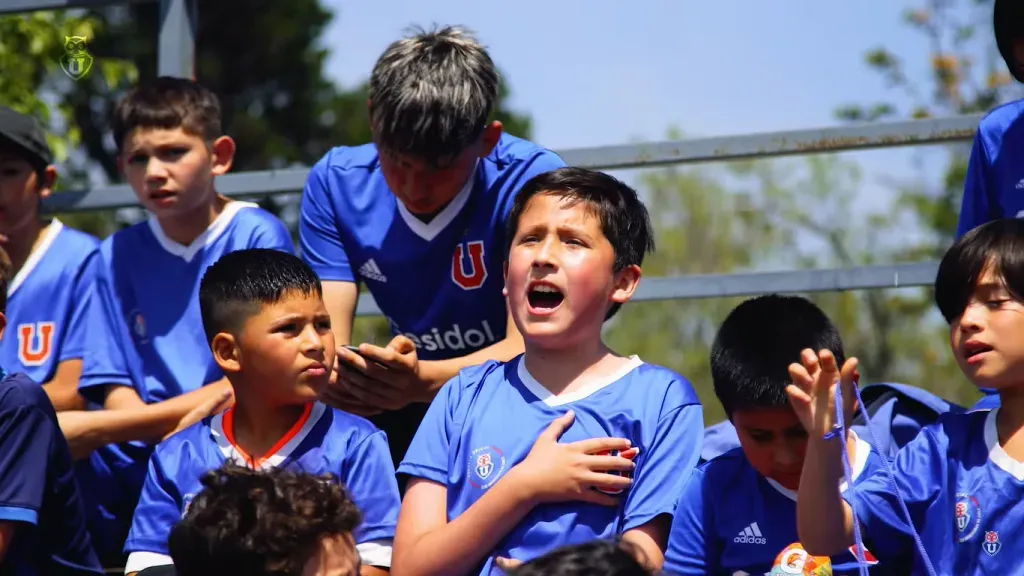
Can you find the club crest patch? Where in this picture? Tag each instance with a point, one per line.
(486, 465)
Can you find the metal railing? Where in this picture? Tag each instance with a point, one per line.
(176, 58)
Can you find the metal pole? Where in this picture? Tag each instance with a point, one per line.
(176, 50)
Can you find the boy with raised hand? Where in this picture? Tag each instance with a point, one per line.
(962, 478)
(146, 344)
(737, 512)
(53, 268)
(569, 441)
(270, 333)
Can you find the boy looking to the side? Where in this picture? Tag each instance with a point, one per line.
(270, 333)
(53, 268)
(147, 360)
(737, 512)
(569, 441)
(962, 478)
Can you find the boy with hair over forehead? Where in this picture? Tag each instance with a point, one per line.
(422, 206)
(54, 268)
(962, 478)
(146, 353)
(269, 331)
(569, 441)
(737, 512)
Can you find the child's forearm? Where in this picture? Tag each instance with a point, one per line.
(459, 545)
(824, 519)
(86, 431)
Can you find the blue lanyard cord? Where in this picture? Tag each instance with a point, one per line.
(840, 430)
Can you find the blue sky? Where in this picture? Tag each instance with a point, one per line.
(600, 72)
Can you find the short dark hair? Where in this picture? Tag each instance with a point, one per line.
(595, 558)
(169, 103)
(431, 94)
(999, 243)
(259, 522)
(237, 285)
(757, 342)
(1008, 25)
(623, 216)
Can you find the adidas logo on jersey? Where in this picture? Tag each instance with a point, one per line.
(454, 338)
(750, 535)
(371, 271)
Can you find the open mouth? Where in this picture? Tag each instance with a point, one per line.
(973, 350)
(160, 195)
(544, 297)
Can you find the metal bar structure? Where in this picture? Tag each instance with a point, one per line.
(176, 51)
(178, 20)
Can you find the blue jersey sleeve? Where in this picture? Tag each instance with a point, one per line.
(273, 234)
(919, 471)
(159, 509)
(105, 362)
(427, 456)
(691, 542)
(543, 162)
(369, 478)
(319, 239)
(977, 205)
(75, 338)
(664, 465)
(26, 434)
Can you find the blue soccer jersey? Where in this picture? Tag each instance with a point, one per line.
(145, 327)
(47, 304)
(486, 420)
(731, 520)
(963, 492)
(994, 187)
(324, 441)
(38, 492)
(439, 283)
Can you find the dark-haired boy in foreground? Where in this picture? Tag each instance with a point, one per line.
(271, 335)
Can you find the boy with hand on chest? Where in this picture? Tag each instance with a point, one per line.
(568, 442)
(270, 333)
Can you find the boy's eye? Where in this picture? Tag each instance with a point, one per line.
(761, 437)
(796, 433)
(289, 328)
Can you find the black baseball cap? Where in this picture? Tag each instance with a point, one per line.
(25, 135)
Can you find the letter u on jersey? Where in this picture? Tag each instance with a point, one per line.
(35, 342)
(469, 273)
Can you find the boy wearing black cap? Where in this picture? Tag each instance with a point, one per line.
(53, 268)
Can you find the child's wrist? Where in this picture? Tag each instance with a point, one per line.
(519, 486)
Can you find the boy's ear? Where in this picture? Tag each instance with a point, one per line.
(489, 139)
(3, 324)
(626, 281)
(48, 182)
(226, 353)
(223, 150)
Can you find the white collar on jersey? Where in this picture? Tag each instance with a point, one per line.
(228, 450)
(861, 451)
(996, 454)
(33, 259)
(429, 230)
(212, 232)
(545, 395)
